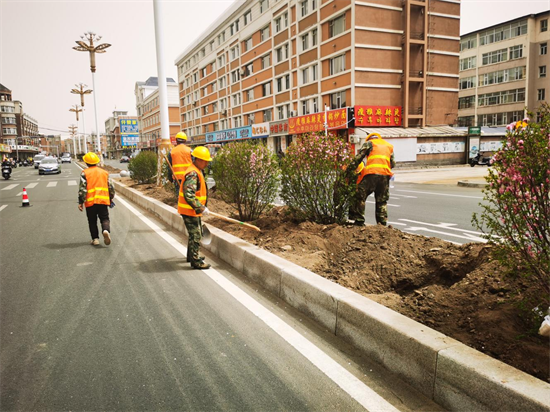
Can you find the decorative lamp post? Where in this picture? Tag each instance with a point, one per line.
(92, 49)
(80, 90)
(77, 110)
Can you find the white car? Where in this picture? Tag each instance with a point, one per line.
(49, 165)
(66, 158)
(37, 159)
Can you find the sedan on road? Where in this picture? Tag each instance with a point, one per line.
(49, 165)
(124, 159)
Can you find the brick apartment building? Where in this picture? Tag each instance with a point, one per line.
(503, 71)
(266, 66)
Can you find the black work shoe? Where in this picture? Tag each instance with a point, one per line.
(200, 265)
(359, 223)
(189, 260)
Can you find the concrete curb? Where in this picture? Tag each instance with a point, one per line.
(452, 374)
(467, 183)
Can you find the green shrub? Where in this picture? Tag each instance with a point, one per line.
(315, 185)
(143, 168)
(247, 175)
(516, 211)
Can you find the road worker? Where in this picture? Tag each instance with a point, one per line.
(96, 192)
(180, 159)
(192, 201)
(375, 177)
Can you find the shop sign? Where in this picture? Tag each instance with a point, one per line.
(378, 116)
(336, 119)
(5, 148)
(260, 130)
(173, 140)
(129, 132)
(278, 128)
(231, 134)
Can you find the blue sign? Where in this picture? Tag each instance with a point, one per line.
(231, 134)
(129, 132)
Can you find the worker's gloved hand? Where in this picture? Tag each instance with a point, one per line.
(205, 212)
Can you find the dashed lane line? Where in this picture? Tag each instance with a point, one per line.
(3, 207)
(52, 184)
(11, 186)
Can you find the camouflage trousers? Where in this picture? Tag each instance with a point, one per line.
(194, 231)
(380, 186)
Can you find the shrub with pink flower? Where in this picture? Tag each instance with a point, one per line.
(516, 211)
(247, 176)
(314, 182)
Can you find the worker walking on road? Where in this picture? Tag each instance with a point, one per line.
(192, 201)
(180, 159)
(375, 177)
(96, 192)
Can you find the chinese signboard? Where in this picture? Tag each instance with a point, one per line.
(231, 134)
(278, 128)
(129, 132)
(336, 119)
(260, 130)
(474, 131)
(378, 116)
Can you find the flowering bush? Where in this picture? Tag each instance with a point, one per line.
(247, 175)
(516, 214)
(315, 185)
(143, 168)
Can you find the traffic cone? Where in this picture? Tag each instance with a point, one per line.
(25, 198)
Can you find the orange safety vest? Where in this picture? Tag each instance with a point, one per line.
(361, 175)
(97, 186)
(378, 161)
(183, 207)
(181, 160)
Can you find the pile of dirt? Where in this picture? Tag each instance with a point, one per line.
(457, 290)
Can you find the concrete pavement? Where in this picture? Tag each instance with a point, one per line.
(463, 175)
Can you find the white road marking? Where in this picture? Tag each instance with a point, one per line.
(439, 194)
(3, 207)
(468, 236)
(31, 185)
(9, 187)
(364, 395)
(72, 182)
(52, 184)
(389, 204)
(397, 223)
(443, 226)
(19, 194)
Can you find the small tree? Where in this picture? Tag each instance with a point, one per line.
(247, 175)
(315, 183)
(143, 168)
(516, 212)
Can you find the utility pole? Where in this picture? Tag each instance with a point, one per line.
(80, 90)
(82, 46)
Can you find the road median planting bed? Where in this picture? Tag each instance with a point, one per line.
(437, 365)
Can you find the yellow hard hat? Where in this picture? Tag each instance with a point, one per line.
(181, 136)
(91, 158)
(202, 153)
(360, 167)
(373, 136)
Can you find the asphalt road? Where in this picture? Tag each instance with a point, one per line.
(132, 327)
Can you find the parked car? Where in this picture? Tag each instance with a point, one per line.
(124, 159)
(49, 165)
(37, 159)
(66, 158)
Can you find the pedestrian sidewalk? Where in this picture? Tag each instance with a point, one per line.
(444, 175)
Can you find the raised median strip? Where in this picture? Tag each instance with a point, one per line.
(454, 375)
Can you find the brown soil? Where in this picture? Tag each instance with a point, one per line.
(457, 290)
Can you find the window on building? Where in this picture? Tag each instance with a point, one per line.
(282, 53)
(315, 105)
(264, 33)
(305, 76)
(314, 37)
(305, 107)
(224, 124)
(213, 87)
(203, 72)
(234, 52)
(205, 110)
(281, 22)
(214, 107)
(266, 89)
(543, 49)
(516, 52)
(204, 91)
(236, 99)
(337, 26)
(496, 56)
(466, 102)
(303, 7)
(542, 71)
(268, 115)
(247, 17)
(467, 83)
(314, 72)
(236, 25)
(264, 4)
(237, 121)
(305, 41)
(504, 32)
(337, 64)
(235, 76)
(249, 95)
(248, 70)
(467, 63)
(212, 46)
(544, 25)
(503, 97)
(203, 52)
(338, 100)
(468, 43)
(222, 82)
(541, 94)
(248, 44)
(266, 61)
(223, 104)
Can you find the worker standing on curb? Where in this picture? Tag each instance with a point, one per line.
(192, 201)
(180, 159)
(96, 191)
(376, 178)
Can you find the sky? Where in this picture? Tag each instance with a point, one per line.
(38, 64)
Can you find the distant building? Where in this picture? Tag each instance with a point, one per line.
(148, 111)
(8, 129)
(503, 70)
(121, 134)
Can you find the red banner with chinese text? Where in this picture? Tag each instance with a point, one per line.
(378, 116)
(337, 119)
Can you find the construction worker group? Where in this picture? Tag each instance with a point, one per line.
(96, 191)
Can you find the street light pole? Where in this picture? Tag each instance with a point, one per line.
(77, 110)
(80, 90)
(82, 46)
